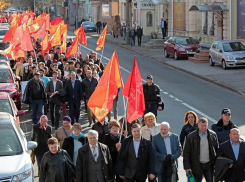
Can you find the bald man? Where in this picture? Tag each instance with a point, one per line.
(234, 149)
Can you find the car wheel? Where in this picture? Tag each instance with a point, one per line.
(18, 106)
(165, 53)
(211, 63)
(224, 65)
(176, 55)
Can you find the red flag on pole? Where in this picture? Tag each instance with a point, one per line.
(74, 47)
(133, 90)
(101, 40)
(101, 101)
(56, 38)
(56, 21)
(83, 39)
(26, 41)
(45, 44)
(40, 32)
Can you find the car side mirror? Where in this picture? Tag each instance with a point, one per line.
(220, 51)
(31, 145)
(20, 113)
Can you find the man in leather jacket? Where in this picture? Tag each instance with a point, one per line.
(200, 152)
(102, 129)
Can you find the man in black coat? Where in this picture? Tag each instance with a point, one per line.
(94, 161)
(98, 25)
(102, 128)
(74, 96)
(46, 60)
(139, 33)
(200, 152)
(136, 158)
(234, 149)
(224, 125)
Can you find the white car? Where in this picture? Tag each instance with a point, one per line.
(15, 161)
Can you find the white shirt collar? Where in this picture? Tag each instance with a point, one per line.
(92, 145)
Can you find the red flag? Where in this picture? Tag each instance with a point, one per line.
(26, 41)
(56, 38)
(82, 35)
(47, 20)
(40, 32)
(56, 21)
(45, 44)
(63, 46)
(18, 35)
(101, 101)
(101, 40)
(9, 35)
(74, 47)
(133, 90)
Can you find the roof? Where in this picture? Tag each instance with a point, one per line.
(227, 41)
(4, 96)
(215, 7)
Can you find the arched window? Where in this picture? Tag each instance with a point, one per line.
(149, 19)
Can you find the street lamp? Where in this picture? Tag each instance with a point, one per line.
(127, 22)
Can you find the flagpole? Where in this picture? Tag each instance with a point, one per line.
(102, 54)
(125, 108)
(122, 130)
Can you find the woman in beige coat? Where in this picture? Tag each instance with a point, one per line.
(19, 68)
(115, 30)
(64, 131)
(151, 127)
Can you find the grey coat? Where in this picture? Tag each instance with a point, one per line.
(50, 89)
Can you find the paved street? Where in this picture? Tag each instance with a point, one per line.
(181, 91)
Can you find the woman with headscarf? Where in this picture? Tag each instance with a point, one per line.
(41, 132)
(63, 131)
(74, 142)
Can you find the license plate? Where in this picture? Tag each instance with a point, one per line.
(241, 61)
(191, 52)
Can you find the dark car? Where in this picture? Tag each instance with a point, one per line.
(89, 26)
(7, 105)
(180, 47)
(9, 83)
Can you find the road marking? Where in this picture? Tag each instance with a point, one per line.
(166, 93)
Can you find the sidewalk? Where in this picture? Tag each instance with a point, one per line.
(232, 79)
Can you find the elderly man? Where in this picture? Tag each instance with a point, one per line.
(94, 163)
(151, 127)
(200, 152)
(234, 149)
(167, 149)
(136, 158)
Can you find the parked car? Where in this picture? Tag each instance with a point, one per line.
(7, 105)
(9, 83)
(180, 47)
(3, 62)
(89, 26)
(228, 53)
(15, 159)
(3, 30)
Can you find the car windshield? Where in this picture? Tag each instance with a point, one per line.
(233, 46)
(5, 76)
(9, 143)
(184, 41)
(6, 107)
(88, 23)
(3, 32)
(2, 57)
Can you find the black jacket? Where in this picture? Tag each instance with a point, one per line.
(68, 145)
(89, 87)
(98, 24)
(139, 32)
(222, 131)
(191, 158)
(77, 91)
(82, 163)
(152, 94)
(146, 158)
(101, 129)
(53, 168)
(49, 62)
(186, 130)
(41, 136)
(222, 165)
(237, 172)
(130, 35)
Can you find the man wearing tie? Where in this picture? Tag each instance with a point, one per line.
(163, 27)
(234, 149)
(74, 96)
(94, 163)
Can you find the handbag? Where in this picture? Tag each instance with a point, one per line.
(69, 168)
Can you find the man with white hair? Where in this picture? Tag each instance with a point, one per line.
(94, 163)
(167, 148)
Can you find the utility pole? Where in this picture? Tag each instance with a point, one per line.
(77, 14)
(34, 5)
(127, 22)
(56, 8)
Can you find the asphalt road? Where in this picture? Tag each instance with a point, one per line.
(181, 92)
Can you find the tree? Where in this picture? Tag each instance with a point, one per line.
(4, 4)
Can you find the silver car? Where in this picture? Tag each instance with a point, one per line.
(228, 53)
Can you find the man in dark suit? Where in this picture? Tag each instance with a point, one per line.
(61, 66)
(74, 96)
(136, 158)
(94, 163)
(46, 60)
(53, 91)
(234, 149)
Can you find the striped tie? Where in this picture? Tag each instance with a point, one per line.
(94, 152)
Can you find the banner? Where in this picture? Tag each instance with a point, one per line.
(241, 18)
(23, 87)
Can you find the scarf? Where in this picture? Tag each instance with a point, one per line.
(77, 137)
(40, 121)
(115, 136)
(38, 85)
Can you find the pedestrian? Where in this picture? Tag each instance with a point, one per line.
(35, 95)
(139, 33)
(64, 131)
(94, 161)
(136, 158)
(200, 152)
(223, 126)
(132, 34)
(69, 43)
(104, 24)
(167, 150)
(124, 29)
(55, 92)
(115, 30)
(191, 119)
(89, 84)
(31, 73)
(46, 60)
(41, 132)
(113, 141)
(74, 142)
(19, 68)
(151, 127)
(163, 27)
(74, 97)
(56, 164)
(127, 127)
(98, 25)
(153, 101)
(233, 149)
(115, 109)
(43, 77)
(102, 128)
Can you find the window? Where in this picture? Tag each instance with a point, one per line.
(233, 46)
(220, 47)
(149, 19)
